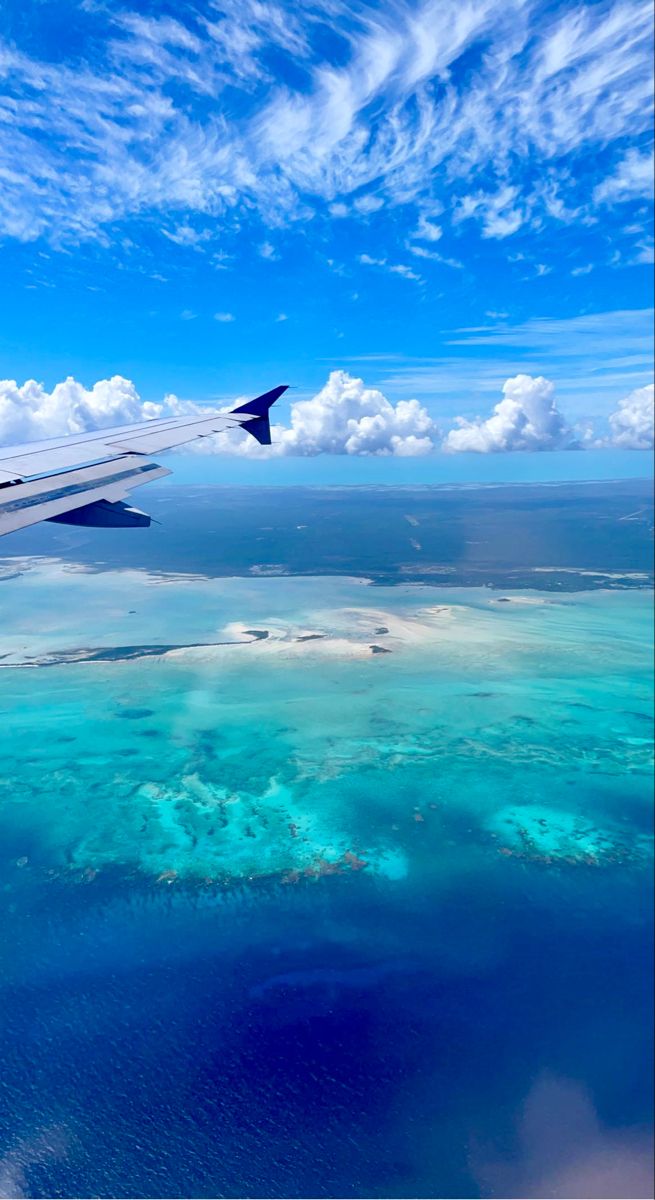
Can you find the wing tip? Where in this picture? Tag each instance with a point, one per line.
(259, 407)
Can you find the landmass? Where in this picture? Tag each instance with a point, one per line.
(558, 537)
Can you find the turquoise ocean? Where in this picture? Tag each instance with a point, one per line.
(315, 887)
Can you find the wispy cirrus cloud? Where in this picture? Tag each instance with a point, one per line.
(500, 214)
(595, 359)
(405, 272)
(621, 331)
(229, 110)
(632, 179)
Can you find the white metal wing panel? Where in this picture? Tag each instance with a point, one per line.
(150, 441)
(24, 462)
(40, 499)
(59, 458)
(149, 437)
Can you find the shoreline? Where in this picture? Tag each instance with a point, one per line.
(564, 580)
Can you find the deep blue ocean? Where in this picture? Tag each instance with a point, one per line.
(333, 1040)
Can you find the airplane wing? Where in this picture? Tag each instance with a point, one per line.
(84, 479)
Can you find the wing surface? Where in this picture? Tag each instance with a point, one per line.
(84, 479)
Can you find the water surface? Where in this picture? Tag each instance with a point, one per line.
(344, 892)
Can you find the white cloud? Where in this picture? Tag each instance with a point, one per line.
(368, 204)
(345, 417)
(405, 272)
(632, 423)
(224, 317)
(267, 250)
(281, 317)
(135, 126)
(645, 253)
(30, 413)
(186, 235)
(427, 231)
(422, 252)
(500, 213)
(394, 268)
(221, 260)
(594, 334)
(632, 180)
(527, 418)
(247, 30)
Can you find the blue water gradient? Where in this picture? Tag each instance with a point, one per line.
(290, 918)
(341, 1039)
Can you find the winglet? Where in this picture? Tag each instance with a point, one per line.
(259, 408)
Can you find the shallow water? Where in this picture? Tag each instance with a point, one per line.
(291, 916)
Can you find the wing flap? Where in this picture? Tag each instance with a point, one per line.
(104, 514)
(45, 498)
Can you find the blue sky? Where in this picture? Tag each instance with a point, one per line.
(209, 199)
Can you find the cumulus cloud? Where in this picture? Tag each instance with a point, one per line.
(345, 417)
(632, 423)
(30, 412)
(527, 418)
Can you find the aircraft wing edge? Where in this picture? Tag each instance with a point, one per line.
(52, 497)
(91, 474)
